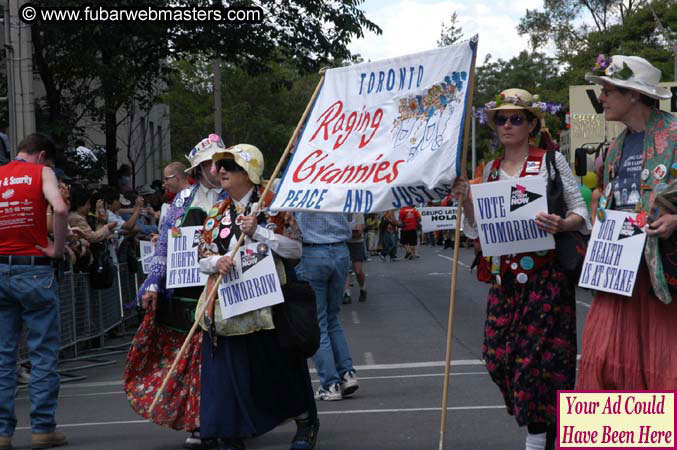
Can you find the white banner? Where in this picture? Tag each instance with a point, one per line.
(183, 268)
(253, 283)
(614, 252)
(381, 135)
(438, 218)
(146, 250)
(505, 212)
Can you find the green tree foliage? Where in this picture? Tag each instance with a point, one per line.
(563, 22)
(450, 33)
(93, 71)
(624, 27)
(261, 109)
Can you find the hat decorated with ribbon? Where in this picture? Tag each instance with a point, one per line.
(204, 151)
(246, 156)
(629, 72)
(513, 99)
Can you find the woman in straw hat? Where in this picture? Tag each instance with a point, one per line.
(169, 315)
(628, 343)
(530, 330)
(250, 384)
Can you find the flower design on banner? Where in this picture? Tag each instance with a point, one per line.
(427, 110)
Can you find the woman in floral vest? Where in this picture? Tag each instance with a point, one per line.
(628, 343)
(530, 331)
(250, 384)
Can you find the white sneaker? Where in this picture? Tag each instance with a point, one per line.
(332, 393)
(349, 384)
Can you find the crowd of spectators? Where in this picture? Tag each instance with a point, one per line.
(104, 219)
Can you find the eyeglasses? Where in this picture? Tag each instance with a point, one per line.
(606, 92)
(514, 120)
(168, 178)
(229, 165)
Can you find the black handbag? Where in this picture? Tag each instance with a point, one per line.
(570, 245)
(295, 320)
(102, 269)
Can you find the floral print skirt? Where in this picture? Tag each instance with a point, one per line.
(149, 359)
(530, 342)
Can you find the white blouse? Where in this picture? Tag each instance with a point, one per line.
(279, 244)
(572, 195)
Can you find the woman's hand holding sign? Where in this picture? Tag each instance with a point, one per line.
(460, 188)
(248, 225)
(225, 264)
(663, 227)
(552, 223)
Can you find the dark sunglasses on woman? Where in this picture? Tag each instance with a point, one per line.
(229, 165)
(515, 121)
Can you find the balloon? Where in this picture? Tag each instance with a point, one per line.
(590, 180)
(586, 193)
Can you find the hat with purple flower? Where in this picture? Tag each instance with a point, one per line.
(629, 72)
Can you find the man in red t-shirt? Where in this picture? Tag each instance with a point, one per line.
(410, 219)
(29, 292)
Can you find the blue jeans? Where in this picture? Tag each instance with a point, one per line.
(29, 295)
(389, 244)
(325, 267)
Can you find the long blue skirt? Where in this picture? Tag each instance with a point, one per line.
(250, 385)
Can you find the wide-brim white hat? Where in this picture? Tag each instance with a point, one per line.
(204, 151)
(246, 156)
(631, 72)
(514, 99)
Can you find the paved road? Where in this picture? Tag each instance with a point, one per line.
(398, 344)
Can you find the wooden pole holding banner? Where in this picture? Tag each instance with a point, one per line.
(457, 238)
(211, 296)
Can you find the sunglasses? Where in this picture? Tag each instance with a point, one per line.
(229, 165)
(515, 121)
(168, 178)
(606, 92)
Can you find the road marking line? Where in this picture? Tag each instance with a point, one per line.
(461, 263)
(369, 358)
(322, 413)
(315, 381)
(416, 365)
(356, 317)
(393, 410)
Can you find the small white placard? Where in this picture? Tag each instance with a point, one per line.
(505, 212)
(438, 218)
(253, 283)
(183, 268)
(614, 252)
(147, 250)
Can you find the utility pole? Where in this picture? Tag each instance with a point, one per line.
(217, 97)
(473, 148)
(19, 48)
(217, 88)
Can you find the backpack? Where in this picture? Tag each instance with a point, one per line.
(102, 269)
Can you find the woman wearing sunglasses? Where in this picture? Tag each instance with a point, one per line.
(530, 331)
(250, 384)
